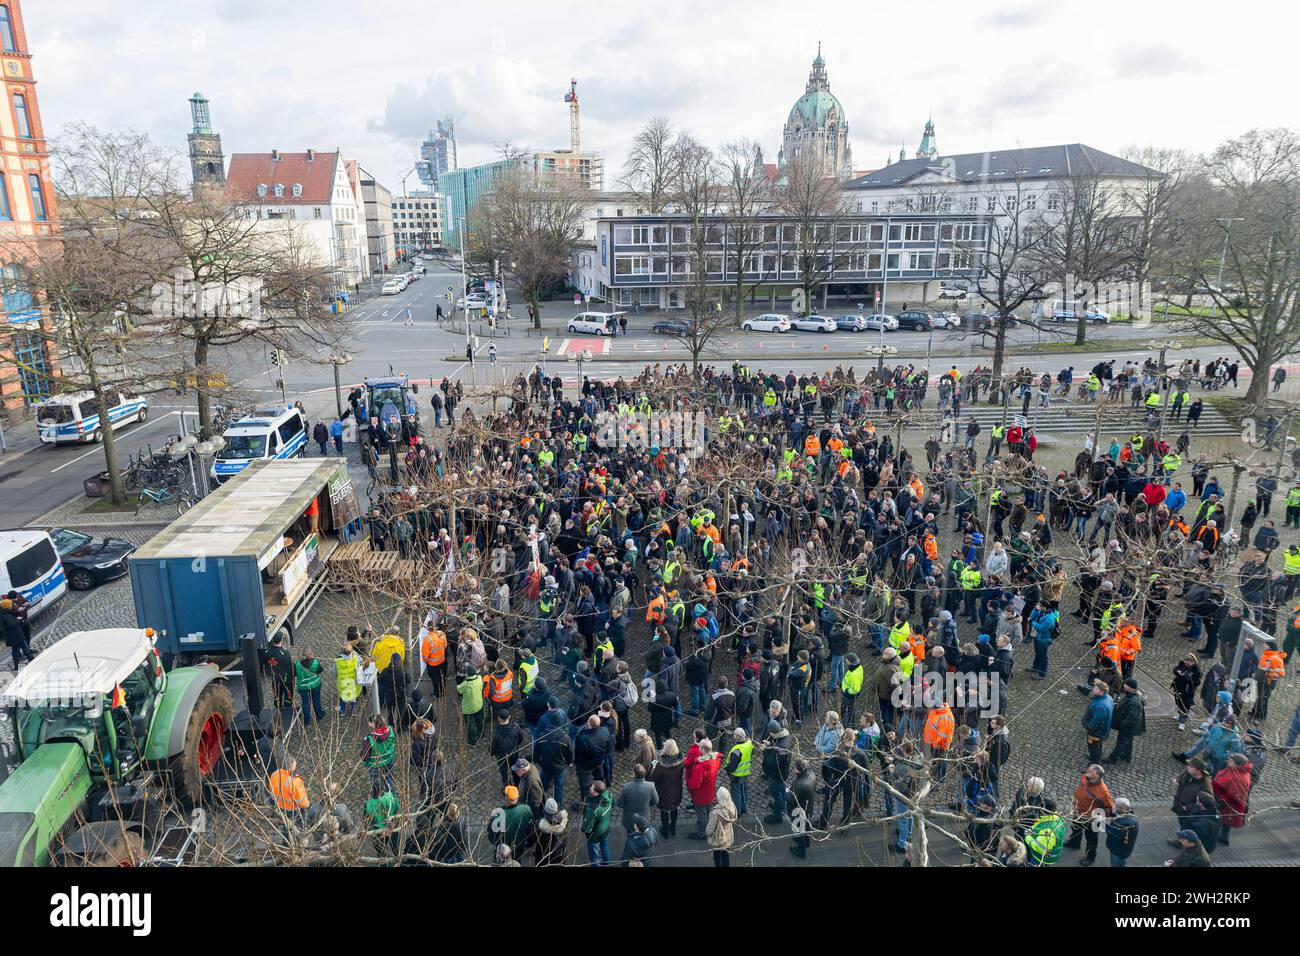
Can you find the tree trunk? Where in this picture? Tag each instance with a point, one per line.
(117, 489)
(537, 311)
(1258, 392)
(999, 348)
(202, 387)
(1081, 325)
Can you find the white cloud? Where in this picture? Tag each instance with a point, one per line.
(326, 73)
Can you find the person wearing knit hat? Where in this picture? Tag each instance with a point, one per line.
(511, 825)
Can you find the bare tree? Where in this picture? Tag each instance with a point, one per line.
(747, 195)
(651, 162)
(531, 227)
(1153, 199)
(1087, 243)
(1011, 260)
(243, 279)
(97, 279)
(1253, 228)
(814, 208)
(696, 191)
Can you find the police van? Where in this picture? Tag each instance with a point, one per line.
(274, 434)
(75, 417)
(30, 565)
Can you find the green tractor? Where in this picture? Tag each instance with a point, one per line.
(100, 732)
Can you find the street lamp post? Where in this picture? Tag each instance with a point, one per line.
(880, 351)
(338, 361)
(579, 357)
(1223, 259)
(464, 296)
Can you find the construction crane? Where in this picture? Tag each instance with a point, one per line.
(571, 98)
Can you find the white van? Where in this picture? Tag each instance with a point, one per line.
(595, 323)
(74, 418)
(30, 565)
(274, 433)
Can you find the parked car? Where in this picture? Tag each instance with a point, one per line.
(947, 320)
(813, 323)
(89, 561)
(768, 322)
(985, 320)
(952, 292)
(413, 276)
(853, 322)
(391, 287)
(672, 327)
(881, 321)
(595, 323)
(475, 301)
(916, 320)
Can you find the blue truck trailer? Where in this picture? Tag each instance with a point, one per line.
(249, 559)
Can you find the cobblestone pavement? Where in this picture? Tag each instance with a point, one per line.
(1044, 722)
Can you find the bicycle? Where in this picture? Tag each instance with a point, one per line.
(182, 499)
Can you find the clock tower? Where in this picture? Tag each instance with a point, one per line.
(207, 162)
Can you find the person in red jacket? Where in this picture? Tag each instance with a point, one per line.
(1232, 793)
(701, 782)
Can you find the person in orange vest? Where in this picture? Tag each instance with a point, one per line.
(812, 445)
(1268, 675)
(1129, 637)
(654, 611)
(433, 653)
(939, 729)
(917, 642)
(289, 791)
(499, 687)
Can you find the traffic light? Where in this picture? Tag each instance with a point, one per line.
(275, 357)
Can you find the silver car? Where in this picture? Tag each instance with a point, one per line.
(813, 323)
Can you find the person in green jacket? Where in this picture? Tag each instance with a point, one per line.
(511, 824)
(1046, 838)
(596, 811)
(470, 688)
(381, 809)
(307, 671)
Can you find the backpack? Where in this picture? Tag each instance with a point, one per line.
(628, 693)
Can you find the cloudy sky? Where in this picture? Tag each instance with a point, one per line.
(372, 78)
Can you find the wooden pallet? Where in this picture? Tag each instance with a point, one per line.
(380, 566)
(350, 556)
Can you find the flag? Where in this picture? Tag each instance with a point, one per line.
(119, 697)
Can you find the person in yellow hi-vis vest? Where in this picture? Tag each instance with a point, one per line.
(347, 678)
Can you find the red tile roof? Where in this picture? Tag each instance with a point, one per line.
(249, 170)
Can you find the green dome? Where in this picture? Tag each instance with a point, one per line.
(813, 108)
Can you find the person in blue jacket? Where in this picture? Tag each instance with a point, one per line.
(1042, 623)
(1097, 719)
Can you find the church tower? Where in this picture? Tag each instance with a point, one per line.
(207, 162)
(816, 128)
(928, 149)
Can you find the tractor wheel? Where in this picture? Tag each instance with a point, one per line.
(91, 846)
(205, 732)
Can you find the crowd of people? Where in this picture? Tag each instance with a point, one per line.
(759, 598)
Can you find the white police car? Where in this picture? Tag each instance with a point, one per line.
(274, 433)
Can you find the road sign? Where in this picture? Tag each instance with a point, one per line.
(577, 298)
(1020, 421)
